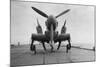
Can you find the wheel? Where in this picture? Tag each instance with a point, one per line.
(33, 48)
(68, 47)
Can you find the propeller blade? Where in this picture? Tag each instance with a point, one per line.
(40, 12)
(63, 13)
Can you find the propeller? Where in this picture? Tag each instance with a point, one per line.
(45, 15)
(63, 13)
(40, 12)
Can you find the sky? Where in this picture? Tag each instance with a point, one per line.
(80, 21)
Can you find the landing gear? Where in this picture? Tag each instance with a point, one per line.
(68, 46)
(51, 47)
(33, 47)
(44, 46)
(59, 45)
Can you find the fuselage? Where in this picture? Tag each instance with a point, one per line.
(51, 24)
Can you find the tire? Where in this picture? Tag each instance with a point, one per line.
(32, 48)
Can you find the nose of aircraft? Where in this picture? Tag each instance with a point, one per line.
(51, 21)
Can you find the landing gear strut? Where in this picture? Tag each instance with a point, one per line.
(44, 46)
(68, 46)
(51, 45)
(59, 45)
(33, 47)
